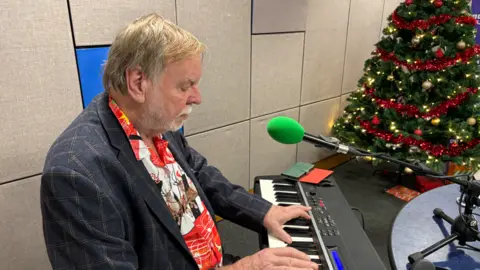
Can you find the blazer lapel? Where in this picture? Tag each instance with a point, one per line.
(140, 177)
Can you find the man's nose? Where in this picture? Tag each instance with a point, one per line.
(195, 97)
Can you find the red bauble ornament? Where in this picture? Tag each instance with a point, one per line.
(375, 120)
(439, 53)
(418, 132)
(438, 3)
(408, 2)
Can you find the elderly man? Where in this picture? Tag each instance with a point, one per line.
(122, 189)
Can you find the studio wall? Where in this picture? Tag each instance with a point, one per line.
(265, 58)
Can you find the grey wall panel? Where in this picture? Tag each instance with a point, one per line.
(276, 72)
(363, 31)
(273, 16)
(266, 155)
(317, 118)
(21, 231)
(97, 21)
(325, 39)
(227, 149)
(39, 87)
(224, 25)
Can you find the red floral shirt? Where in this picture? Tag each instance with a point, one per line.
(187, 209)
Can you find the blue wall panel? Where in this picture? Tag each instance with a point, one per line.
(90, 66)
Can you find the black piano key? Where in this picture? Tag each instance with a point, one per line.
(298, 232)
(308, 251)
(286, 199)
(283, 181)
(302, 245)
(317, 261)
(298, 222)
(284, 188)
(287, 195)
(284, 204)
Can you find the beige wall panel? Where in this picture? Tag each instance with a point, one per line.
(224, 25)
(343, 103)
(227, 149)
(39, 85)
(273, 16)
(21, 231)
(324, 49)
(276, 72)
(96, 22)
(389, 7)
(317, 119)
(363, 31)
(266, 155)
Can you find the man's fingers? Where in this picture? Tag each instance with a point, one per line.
(293, 262)
(283, 235)
(291, 252)
(296, 212)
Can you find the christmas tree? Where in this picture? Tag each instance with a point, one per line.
(417, 99)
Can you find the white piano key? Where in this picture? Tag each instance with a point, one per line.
(297, 227)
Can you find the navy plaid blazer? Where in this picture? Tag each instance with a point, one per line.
(102, 210)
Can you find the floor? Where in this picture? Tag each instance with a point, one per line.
(361, 189)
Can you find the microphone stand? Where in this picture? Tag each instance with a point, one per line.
(464, 227)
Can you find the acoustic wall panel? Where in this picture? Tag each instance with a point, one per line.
(266, 155)
(343, 103)
(227, 149)
(325, 38)
(224, 26)
(278, 16)
(21, 231)
(317, 119)
(96, 22)
(39, 84)
(90, 66)
(276, 72)
(363, 31)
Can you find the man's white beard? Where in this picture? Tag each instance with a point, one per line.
(174, 126)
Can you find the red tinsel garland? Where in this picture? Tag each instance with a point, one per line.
(434, 20)
(431, 64)
(434, 149)
(413, 111)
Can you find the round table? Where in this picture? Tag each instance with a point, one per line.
(415, 228)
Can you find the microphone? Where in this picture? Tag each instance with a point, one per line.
(288, 131)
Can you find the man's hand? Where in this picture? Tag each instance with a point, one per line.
(278, 215)
(286, 258)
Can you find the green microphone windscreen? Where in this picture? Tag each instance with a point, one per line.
(285, 130)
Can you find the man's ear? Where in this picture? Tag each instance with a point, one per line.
(136, 83)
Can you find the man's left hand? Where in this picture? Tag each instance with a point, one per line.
(278, 215)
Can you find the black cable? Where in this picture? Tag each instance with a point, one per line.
(361, 215)
(471, 247)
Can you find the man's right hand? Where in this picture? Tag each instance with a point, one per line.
(286, 258)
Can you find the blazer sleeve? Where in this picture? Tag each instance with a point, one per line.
(228, 200)
(82, 226)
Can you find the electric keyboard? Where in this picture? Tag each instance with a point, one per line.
(333, 238)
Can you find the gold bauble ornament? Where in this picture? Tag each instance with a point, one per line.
(427, 85)
(408, 170)
(461, 45)
(471, 121)
(390, 78)
(435, 121)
